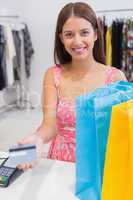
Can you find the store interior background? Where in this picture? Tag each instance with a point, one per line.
(41, 16)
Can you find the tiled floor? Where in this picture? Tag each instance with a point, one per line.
(15, 124)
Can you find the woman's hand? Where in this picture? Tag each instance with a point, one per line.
(36, 139)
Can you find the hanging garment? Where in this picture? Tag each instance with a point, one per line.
(23, 77)
(104, 30)
(127, 49)
(118, 171)
(117, 27)
(130, 48)
(93, 113)
(2, 68)
(105, 27)
(17, 58)
(108, 47)
(28, 50)
(10, 54)
(124, 51)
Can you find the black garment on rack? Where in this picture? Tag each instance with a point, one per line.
(17, 58)
(28, 50)
(2, 48)
(117, 27)
(104, 30)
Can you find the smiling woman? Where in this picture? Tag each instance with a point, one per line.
(78, 37)
(89, 24)
(80, 68)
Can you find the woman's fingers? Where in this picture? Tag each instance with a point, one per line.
(27, 140)
(25, 166)
(37, 140)
(20, 142)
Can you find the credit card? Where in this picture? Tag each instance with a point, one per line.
(21, 154)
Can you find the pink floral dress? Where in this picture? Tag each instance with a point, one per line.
(64, 144)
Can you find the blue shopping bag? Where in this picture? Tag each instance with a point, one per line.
(93, 113)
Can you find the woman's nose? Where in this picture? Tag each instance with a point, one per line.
(77, 39)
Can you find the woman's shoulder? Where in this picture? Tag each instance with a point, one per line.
(115, 74)
(53, 68)
(59, 70)
(53, 73)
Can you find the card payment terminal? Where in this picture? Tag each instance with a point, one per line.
(17, 155)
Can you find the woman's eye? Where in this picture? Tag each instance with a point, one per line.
(85, 33)
(68, 35)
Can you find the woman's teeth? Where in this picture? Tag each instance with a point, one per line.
(79, 49)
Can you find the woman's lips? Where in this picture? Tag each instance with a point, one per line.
(79, 50)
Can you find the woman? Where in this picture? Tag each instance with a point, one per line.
(80, 68)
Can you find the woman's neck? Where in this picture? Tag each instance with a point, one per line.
(83, 65)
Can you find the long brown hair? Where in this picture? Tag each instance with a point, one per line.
(81, 10)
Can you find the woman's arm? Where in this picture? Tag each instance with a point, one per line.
(47, 130)
(120, 76)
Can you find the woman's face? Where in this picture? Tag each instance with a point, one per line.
(78, 37)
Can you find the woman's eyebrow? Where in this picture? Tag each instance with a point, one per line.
(67, 31)
(85, 29)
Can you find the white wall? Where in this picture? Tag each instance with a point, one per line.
(41, 18)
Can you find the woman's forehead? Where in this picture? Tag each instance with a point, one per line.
(76, 22)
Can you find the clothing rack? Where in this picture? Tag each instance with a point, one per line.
(9, 16)
(19, 102)
(116, 25)
(115, 10)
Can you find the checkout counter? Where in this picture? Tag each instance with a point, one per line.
(50, 180)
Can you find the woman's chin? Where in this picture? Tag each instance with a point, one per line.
(80, 57)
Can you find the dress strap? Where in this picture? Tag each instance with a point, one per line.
(110, 74)
(57, 75)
